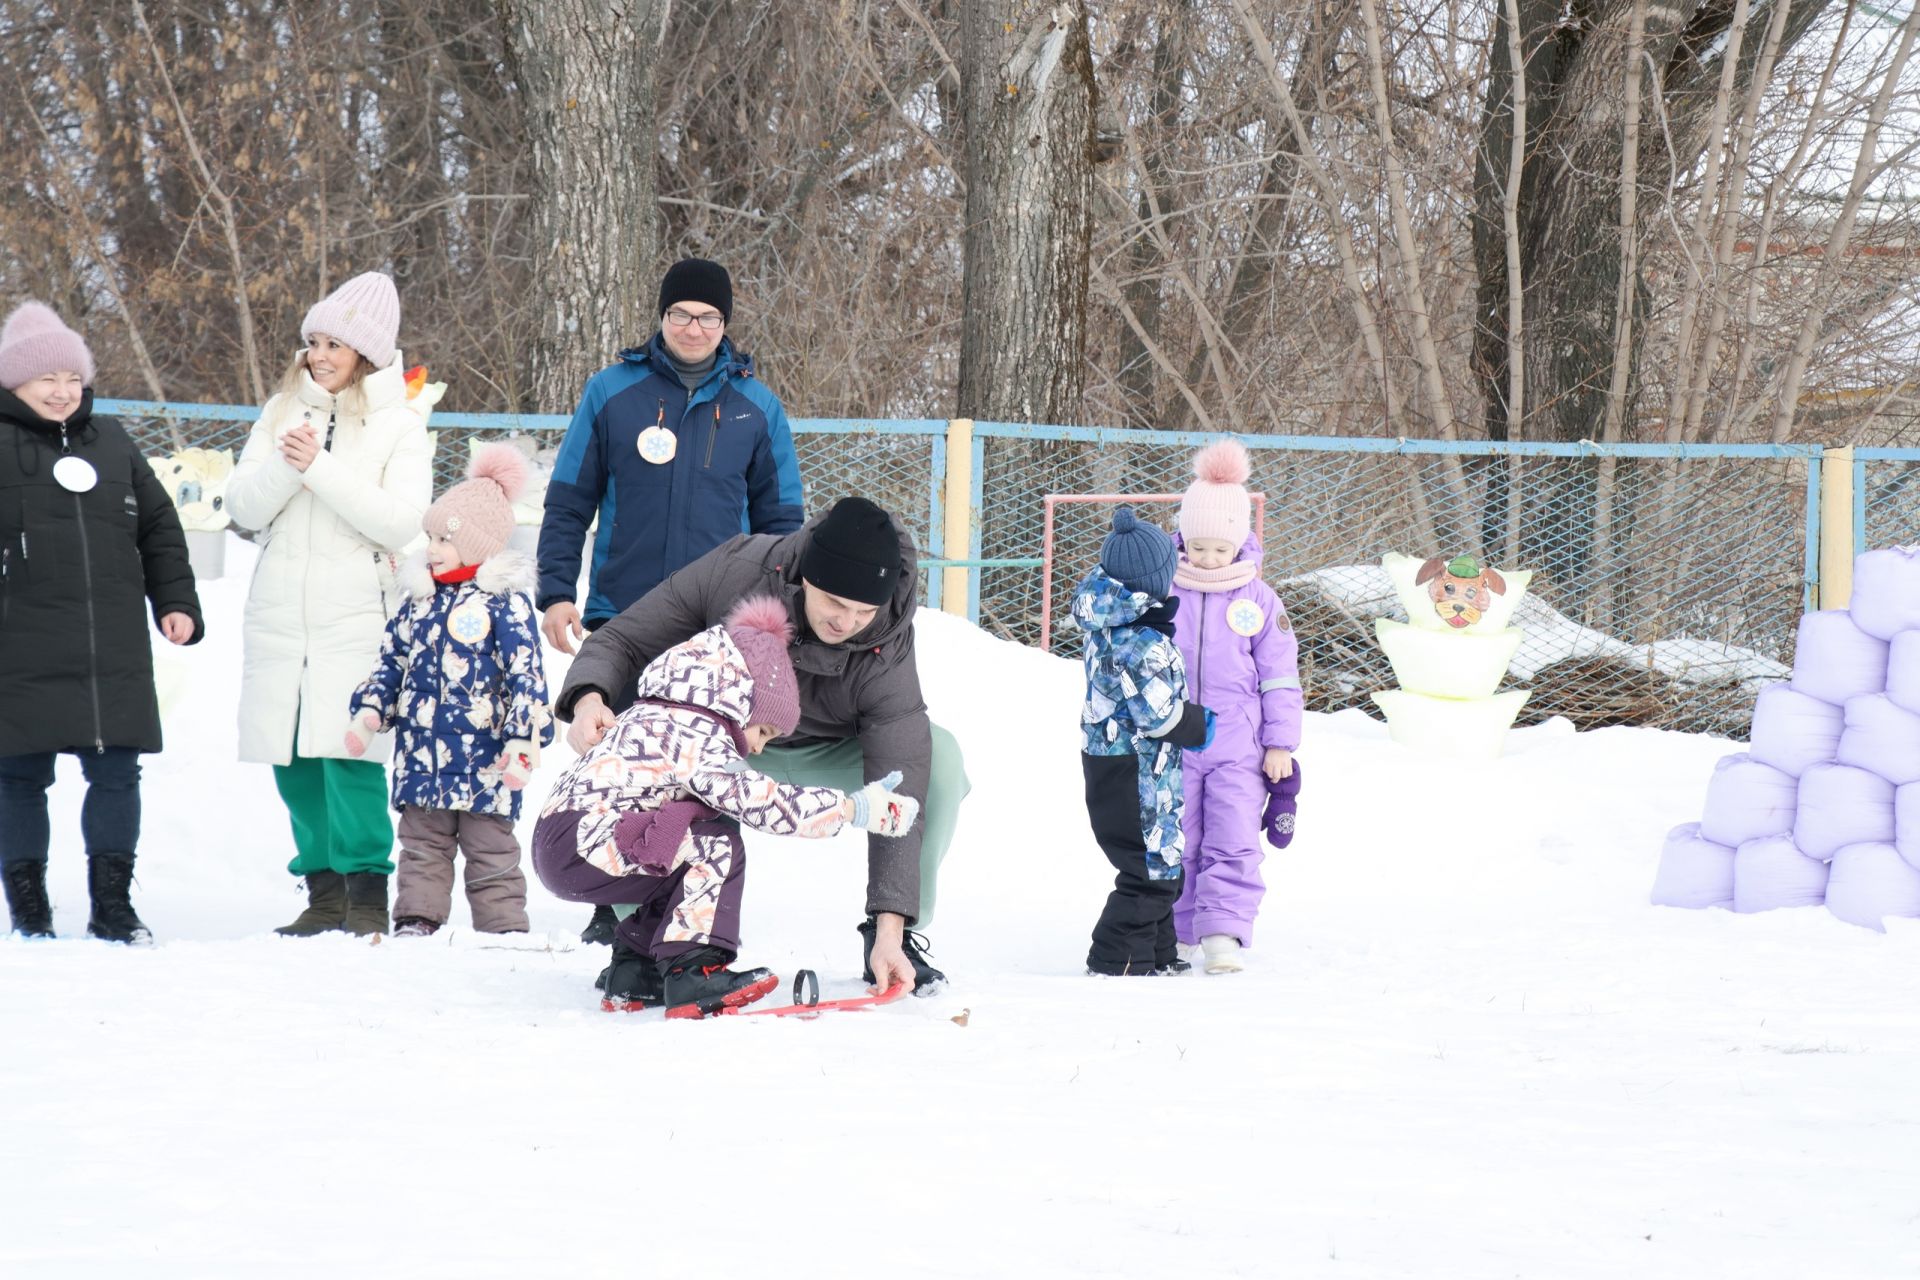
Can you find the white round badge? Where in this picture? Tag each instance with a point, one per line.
(658, 445)
(75, 475)
(1245, 617)
(470, 622)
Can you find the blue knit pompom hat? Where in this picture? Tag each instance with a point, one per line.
(1139, 555)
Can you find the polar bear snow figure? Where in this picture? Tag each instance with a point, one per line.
(196, 480)
(1824, 805)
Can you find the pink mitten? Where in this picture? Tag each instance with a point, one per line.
(360, 733)
(519, 762)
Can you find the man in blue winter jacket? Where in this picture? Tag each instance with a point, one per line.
(676, 448)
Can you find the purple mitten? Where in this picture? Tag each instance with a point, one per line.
(1283, 799)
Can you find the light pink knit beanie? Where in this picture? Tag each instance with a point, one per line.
(1217, 505)
(34, 342)
(364, 313)
(476, 515)
(761, 629)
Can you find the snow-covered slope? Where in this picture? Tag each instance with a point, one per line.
(1465, 1047)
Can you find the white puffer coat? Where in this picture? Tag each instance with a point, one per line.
(327, 576)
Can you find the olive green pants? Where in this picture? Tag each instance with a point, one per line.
(842, 765)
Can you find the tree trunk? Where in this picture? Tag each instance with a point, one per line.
(1569, 224)
(586, 73)
(1029, 94)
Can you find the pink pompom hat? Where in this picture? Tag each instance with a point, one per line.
(476, 515)
(1217, 505)
(761, 630)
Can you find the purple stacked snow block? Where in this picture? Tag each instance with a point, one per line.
(1869, 882)
(1834, 660)
(1903, 671)
(1746, 800)
(1881, 737)
(1694, 871)
(1842, 805)
(1770, 872)
(1793, 730)
(1906, 822)
(1886, 591)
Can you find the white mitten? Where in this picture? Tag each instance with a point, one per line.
(881, 810)
(360, 732)
(519, 762)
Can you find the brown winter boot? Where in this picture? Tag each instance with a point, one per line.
(326, 906)
(366, 903)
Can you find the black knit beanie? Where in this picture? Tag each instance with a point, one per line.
(854, 553)
(697, 280)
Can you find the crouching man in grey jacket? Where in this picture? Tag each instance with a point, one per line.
(849, 579)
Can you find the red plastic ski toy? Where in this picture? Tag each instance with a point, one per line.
(807, 1002)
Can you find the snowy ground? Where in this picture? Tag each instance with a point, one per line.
(1466, 1048)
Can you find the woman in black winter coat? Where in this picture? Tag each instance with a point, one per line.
(87, 538)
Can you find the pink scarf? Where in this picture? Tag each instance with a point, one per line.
(1225, 578)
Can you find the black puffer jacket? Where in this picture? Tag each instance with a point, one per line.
(76, 570)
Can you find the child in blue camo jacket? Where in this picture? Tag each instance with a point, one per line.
(462, 684)
(1135, 723)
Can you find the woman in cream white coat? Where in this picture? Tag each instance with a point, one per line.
(336, 474)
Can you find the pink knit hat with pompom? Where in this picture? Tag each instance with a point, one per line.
(476, 515)
(1217, 505)
(761, 631)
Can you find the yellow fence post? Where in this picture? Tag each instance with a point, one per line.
(1836, 527)
(959, 523)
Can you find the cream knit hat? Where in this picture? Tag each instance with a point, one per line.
(364, 313)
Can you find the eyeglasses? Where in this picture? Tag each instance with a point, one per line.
(709, 320)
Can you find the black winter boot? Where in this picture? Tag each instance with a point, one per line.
(599, 930)
(27, 899)
(366, 903)
(326, 906)
(109, 882)
(925, 976)
(699, 983)
(631, 983)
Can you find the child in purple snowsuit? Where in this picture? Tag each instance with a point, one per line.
(1240, 656)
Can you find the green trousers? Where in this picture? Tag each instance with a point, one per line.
(339, 813)
(843, 765)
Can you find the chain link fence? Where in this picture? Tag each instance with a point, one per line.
(1667, 581)
(1886, 497)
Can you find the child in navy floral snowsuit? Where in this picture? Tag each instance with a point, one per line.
(1135, 723)
(461, 683)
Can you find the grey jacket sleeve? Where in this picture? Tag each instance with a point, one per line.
(896, 734)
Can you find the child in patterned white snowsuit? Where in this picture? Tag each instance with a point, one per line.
(462, 684)
(1241, 661)
(1134, 725)
(651, 814)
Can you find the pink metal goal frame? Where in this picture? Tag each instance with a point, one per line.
(1053, 500)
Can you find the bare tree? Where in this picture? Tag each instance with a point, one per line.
(586, 76)
(1029, 94)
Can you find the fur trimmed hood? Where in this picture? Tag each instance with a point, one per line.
(502, 574)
